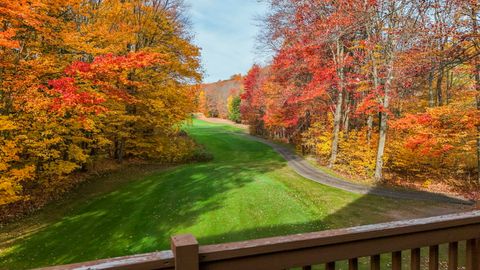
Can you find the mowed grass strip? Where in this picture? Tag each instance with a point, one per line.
(247, 191)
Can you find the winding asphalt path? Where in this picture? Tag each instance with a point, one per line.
(305, 169)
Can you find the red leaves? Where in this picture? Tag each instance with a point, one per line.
(428, 145)
(68, 96)
(109, 64)
(251, 97)
(108, 73)
(78, 68)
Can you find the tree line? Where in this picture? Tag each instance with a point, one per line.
(378, 88)
(86, 82)
(221, 99)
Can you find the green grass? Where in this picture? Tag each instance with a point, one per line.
(246, 192)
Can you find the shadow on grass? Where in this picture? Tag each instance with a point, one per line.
(140, 218)
(137, 218)
(357, 214)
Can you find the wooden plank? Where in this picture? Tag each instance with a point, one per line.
(298, 241)
(185, 250)
(415, 259)
(375, 262)
(342, 251)
(433, 258)
(397, 260)
(330, 266)
(473, 254)
(453, 256)
(353, 264)
(157, 260)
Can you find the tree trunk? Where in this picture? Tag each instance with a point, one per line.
(346, 117)
(119, 149)
(376, 79)
(448, 87)
(477, 87)
(439, 87)
(336, 128)
(384, 115)
(431, 95)
(337, 119)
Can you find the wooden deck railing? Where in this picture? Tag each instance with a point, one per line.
(326, 247)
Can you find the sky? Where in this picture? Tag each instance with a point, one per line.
(226, 32)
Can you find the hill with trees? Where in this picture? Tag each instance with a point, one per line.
(216, 98)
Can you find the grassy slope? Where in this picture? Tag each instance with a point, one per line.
(246, 192)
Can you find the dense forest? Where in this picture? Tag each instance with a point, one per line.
(387, 90)
(86, 82)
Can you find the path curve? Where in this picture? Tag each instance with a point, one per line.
(305, 169)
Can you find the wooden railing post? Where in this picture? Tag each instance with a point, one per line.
(473, 254)
(397, 260)
(433, 255)
(185, 250)
(415, 259)
(453, 256)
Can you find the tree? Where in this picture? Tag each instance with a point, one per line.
(233, 104)
(202, 103)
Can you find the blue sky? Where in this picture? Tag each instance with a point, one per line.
(226, 31)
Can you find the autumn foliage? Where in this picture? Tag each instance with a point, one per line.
(382, 89)
(84, 82)
(214, 97)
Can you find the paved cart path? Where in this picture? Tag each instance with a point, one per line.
(305, 169)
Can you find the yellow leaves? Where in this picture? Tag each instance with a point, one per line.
(23, 174)
(61, 167)
(356, 155)
(10, 183)
(6, 123)
(202, 103)
(8, 152)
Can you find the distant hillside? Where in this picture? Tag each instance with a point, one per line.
(217, 94)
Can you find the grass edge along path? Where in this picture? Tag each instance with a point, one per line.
(328, 177)
(247, 191)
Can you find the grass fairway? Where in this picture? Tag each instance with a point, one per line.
(246, 192)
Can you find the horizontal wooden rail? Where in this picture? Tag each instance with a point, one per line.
(326, 247)
(157, 260)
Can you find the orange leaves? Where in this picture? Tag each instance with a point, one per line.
(6, 39)
(437, 131)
